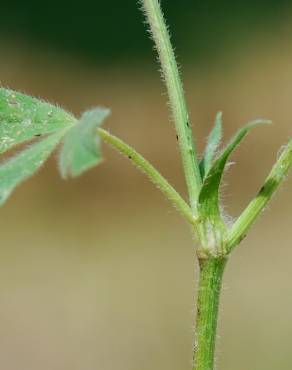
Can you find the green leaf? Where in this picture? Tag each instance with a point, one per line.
(81, 150)
(19, 168)
(212, 144)
(208, 205)
(23, 117)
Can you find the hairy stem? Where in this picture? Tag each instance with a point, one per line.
(176, 98)
(257, 205)
(151, 172)
(211, 273)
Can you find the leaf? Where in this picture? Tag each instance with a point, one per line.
(212, 144)
(208, 205)
(19, 168)
(81, 150)
(23, 117)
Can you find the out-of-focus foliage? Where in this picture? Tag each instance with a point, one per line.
(81, 150)
(23, 117)
(107, 29)
(25, 164)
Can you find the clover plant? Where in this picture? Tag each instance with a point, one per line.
(24, 118)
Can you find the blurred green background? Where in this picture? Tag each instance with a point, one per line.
(98, 272)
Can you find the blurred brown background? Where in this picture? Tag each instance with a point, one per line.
(98, 272)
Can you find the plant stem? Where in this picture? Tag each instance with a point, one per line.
(176, 98)
(151, 172)
(211, 273)
(257, 205)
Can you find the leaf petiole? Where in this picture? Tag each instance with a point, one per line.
(152, 173)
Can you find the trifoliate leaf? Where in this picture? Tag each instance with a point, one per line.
(23, 117)
(208, 205)
(212, 144)
(81, 150)
(25, 164)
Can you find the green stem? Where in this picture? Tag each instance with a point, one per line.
(257, 205)
(176, 98)
(151, 172)
(211, 273)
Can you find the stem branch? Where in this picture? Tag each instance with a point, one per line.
(176, 98)
(257, 205)
(151, 172)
